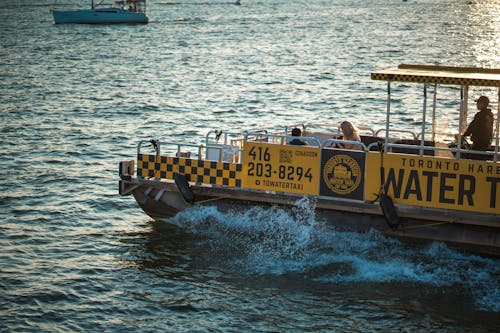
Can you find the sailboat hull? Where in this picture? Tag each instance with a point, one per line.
(98, 16)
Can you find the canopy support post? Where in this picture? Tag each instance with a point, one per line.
(462, 120)
(495, 158)
(387, 115)
(434, 113)
(465, 108)
(424, 111)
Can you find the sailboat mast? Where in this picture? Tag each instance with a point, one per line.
(92, 4)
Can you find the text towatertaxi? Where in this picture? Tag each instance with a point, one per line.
(422, 185)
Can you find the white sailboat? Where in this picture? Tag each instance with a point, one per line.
(122, 11)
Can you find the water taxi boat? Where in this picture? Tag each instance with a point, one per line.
(122, 11)
(424, 185)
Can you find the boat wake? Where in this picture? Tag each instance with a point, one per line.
(275, 241)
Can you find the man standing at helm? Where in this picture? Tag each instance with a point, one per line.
(481, 127)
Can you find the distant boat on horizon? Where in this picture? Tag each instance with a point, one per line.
(122, 11)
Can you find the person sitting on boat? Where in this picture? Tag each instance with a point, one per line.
(349, 133)
(481, 127)
(296, 141)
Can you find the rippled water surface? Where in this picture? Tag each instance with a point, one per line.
(75, 99)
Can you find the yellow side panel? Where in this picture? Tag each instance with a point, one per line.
(435, 182)
(293, 169)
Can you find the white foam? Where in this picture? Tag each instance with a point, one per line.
(273, 240)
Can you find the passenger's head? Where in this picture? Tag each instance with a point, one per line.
(347, 128)
(296, 132)
(482, 102)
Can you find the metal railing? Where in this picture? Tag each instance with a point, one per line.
(332, 143)
(456, 153)
(279, 138)
(382, 130)
(231, 150)
(157, 144)
(335, 128)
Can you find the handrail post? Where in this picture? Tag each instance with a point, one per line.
(139, 144)
(245, 138)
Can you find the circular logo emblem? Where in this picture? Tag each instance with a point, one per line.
(342, 174)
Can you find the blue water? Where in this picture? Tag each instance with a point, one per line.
(75, 256)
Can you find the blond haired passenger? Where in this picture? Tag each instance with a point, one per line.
(349, 133)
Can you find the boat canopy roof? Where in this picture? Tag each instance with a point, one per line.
(461, 76)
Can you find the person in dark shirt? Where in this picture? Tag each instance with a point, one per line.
(481, 127)
(297, 142)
